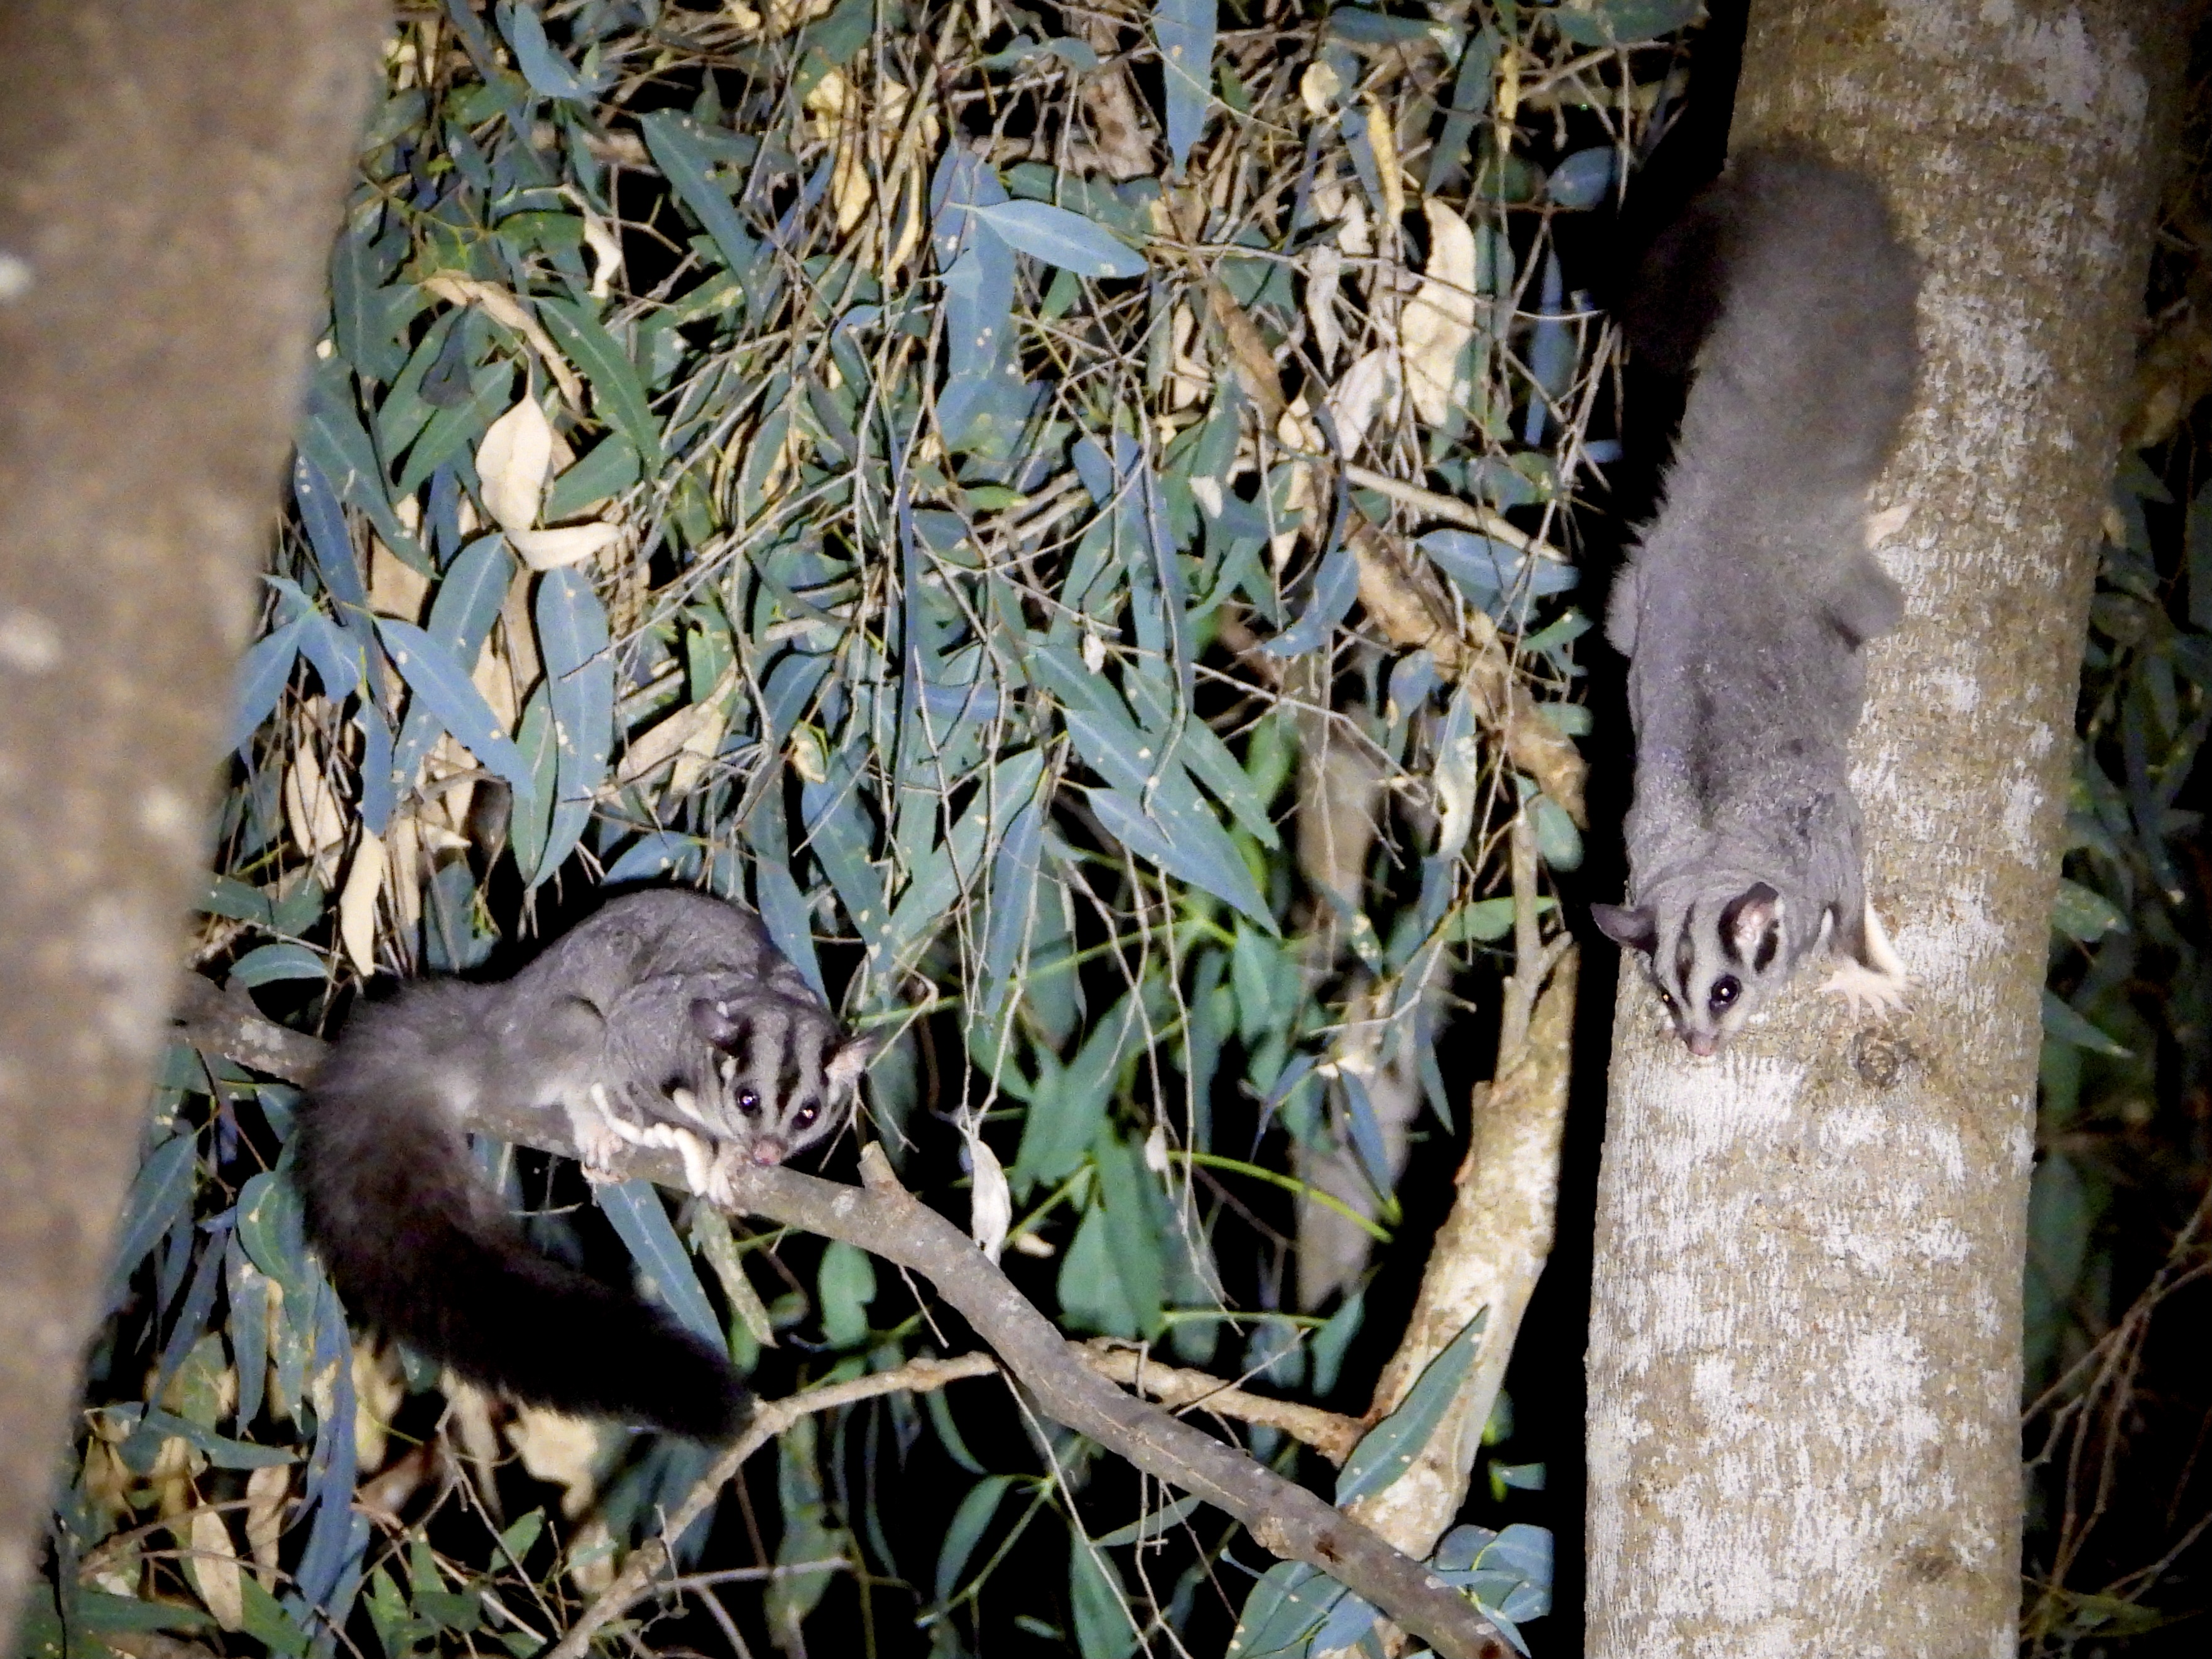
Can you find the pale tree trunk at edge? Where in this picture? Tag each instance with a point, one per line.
(1805, 1324)
(172, 176)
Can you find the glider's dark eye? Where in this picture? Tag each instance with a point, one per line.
(749, 1103)
(1667, 997)
(1725, 991)
(805, 1116)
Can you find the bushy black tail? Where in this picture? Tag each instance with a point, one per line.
(420, 1248)
(1787, 278)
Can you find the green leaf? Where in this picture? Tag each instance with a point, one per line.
(609, 469)
(1558, 843)
(948, 1431)
(1103, 1629)
(273, 1233)
(333, 442)
(579, 677)
(1061, 238)
(531, 815)
(263, 673)
(100, 1611)
(160, 1195)
(436, 675)
(2085, 915)
(1139, 1250)
(1091, 1291)
(684, 162)
(1189, 846)
(267, 964)
(1197, 747)
(618, 395)
(2063, 1025)
(1069, 1103)
(634, 1209)
(1146, 1528)
(1388, 1450)
(1623, 23)
(1331, 1341)
(223, 1453)
(1184, 31)
(1284, 1607)
(847, 1285)
(969, 1521)
(268, 1623)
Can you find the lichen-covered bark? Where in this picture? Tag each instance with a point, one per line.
(173, 174)
(1805, 1334)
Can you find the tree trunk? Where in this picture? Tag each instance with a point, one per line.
(1805, 1331)
(174, 170)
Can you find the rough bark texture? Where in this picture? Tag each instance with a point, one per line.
(173, 171)
(1805, 1339)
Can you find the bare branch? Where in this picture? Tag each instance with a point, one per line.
(1330, 1433)
(885, 1218)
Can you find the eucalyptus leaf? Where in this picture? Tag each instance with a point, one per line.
(1060, 237)
(2065, 1025)
(634, 1209)
(1190, 847)
(435, 674)
(1284, 1607)
(263, 674)
(617, 394)
(1184, 31)
(673, 140)
(579, 677)
(1103, 1629)
(1388, 1450)
(969, 1522)
(1334, 587)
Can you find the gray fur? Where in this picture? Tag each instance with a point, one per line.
(1746, 605)
(666, 1018)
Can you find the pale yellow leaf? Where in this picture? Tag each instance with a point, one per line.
(514, 461)
(1318, 87)
(809, 758)
(311, 809)
(592, 1557)
(851, 190)
(403, 847)
(1439, 320)
(1324, 268)
(1367, 389)
(606, 254)
(214, 1564)
(552, 550)
(990, 1203)
(265, 1492)
(357, 902)
(675, 734)
(1382, 139)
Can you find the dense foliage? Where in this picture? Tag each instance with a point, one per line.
(2120, 1219)
(907, 466)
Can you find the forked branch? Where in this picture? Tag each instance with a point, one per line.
(883, 1218)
